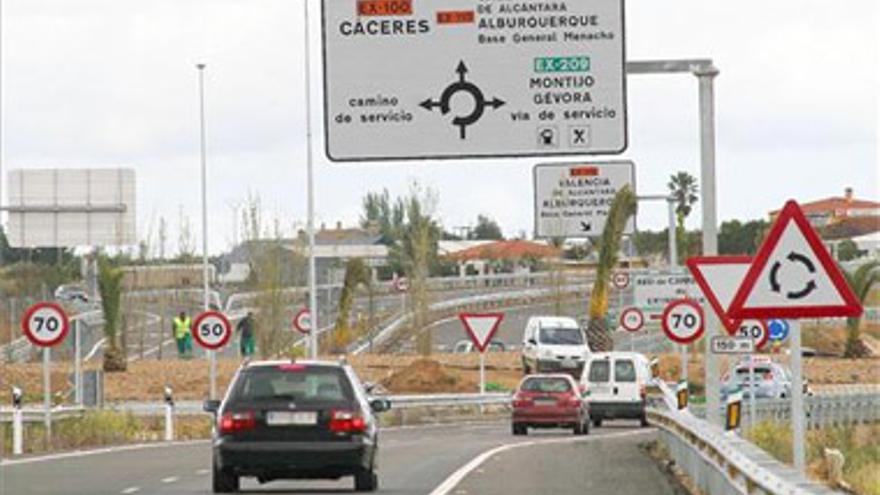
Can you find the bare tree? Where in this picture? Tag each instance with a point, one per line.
(163, 237)
(185, 240)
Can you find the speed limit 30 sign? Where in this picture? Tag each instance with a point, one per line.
(211, 330)
(682, 321)
(45, 324)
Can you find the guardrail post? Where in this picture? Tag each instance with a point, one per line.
(17, 422)
(169, 414)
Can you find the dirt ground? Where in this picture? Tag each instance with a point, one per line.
(145, 380)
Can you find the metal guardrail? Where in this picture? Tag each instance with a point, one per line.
(721, 463)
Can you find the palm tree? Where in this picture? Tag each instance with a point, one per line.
(861, 281)
(622, 208)
(683, 187)
(110, 287)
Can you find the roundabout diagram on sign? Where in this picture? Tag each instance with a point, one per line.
(465, 86)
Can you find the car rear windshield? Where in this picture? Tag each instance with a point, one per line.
(624, 371)
(561, 336)
(293, 382)
(599, 371)
(546, 385)
(759, 370)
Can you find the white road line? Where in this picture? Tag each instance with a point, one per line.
(170, 479)
(203, 472)
(455, 478)
(109, 450)
(132, 489)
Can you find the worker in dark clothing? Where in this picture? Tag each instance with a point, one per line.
(245, 330)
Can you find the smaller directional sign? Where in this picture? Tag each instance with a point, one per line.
(211, 330)
(401, 284)
(756, 330)
(778, 330)
(574, 199)
(682, 321)
(793, 276)
(481, 327)
(302, 321)
(632, 319)
(45, 324)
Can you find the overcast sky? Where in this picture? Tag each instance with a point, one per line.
(112, 82)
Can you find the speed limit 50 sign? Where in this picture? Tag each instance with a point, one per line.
(45, 324)
(211, 330)
(756, 330)
(683, 321)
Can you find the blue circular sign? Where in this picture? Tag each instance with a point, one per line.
(778, 330)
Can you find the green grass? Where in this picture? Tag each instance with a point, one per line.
(859, 445)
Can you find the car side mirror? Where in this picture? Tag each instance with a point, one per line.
(211, 406)
(369, 387)
(380, 405)
(533, 342)
(585, 392)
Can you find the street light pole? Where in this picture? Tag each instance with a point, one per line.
(212, 357)
(310, 184)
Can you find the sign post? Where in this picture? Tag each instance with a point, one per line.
(45, 325)
(481, 327)
(467, 74)
(212, 331)
(793, 276)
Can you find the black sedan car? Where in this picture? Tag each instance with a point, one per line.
(295, 420)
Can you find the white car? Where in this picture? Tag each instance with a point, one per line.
(554, 344)
(616, 386)
(466, 346)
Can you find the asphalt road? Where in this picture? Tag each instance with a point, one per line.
(412, 461)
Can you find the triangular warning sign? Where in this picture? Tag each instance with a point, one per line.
(793, 276)
(719, 277)
(481, 327)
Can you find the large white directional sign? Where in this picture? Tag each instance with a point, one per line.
(411, 79)
(572, 200)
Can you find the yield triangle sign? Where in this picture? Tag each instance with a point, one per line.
(793, 276)
(481, 327)
(719, 277)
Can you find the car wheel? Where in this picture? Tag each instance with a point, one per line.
(519, 429)
(366, 481)
(643, 421)
(224, 481)
(586, 428)
(597, 422)
(578, 428)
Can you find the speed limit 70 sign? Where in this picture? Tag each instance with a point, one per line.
(45, 324)
(683, 321)
(211, 330)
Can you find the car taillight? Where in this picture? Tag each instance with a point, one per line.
(521, 401)
(573, 401)
(347, 422)
(237, 422)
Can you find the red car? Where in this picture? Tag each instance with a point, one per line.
(549, 401)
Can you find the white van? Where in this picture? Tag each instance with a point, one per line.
(617, 385)
(554, 344)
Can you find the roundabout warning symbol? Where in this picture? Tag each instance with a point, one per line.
(465, 86)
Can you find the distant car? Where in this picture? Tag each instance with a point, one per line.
(554, 344)
(549, 401)
(617, 384)
(71, 293)
(466, 346)
(772, 380)
(295, 420)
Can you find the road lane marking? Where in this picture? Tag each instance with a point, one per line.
(130, 490)
(170, 479)
(108, 450)
(203, 471)
(455, 478)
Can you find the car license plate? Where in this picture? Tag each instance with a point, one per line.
(599, 389)
(545, 402)
(286, 418)
(569, 364)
